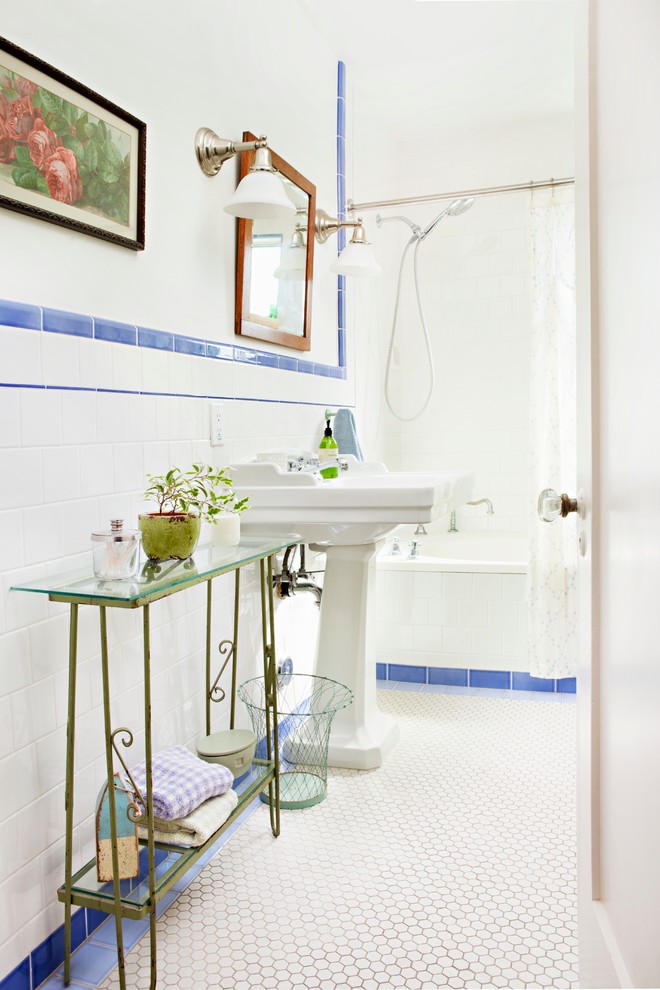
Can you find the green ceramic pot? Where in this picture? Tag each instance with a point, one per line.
(170, 536)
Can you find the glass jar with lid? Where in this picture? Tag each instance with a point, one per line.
(116, 554)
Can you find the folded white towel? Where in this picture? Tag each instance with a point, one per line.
(198, 826)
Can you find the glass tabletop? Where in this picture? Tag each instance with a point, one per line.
(155, 577)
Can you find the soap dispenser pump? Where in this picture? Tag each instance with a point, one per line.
(328, 450)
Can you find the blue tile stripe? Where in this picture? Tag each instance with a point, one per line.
(22, 316)
(513, 680)
(341, 210)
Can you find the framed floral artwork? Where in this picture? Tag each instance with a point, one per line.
(68, 155)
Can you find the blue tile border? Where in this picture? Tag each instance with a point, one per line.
(60, 321)
(456, 676)
(526, 682)
(116, 333)
(14, 315)
(19, 978)
(22, 315)
(508, 680)
(46, 958)
(404, 672)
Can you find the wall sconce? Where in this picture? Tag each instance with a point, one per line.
(260, 195)
(357, 258)
(293, 266)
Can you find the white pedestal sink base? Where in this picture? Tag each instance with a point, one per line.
(362, 735)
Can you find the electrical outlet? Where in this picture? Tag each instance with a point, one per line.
(216, 420)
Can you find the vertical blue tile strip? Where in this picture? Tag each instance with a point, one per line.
(341, 209)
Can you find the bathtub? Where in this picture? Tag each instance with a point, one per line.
(461, 603)
(483, 553)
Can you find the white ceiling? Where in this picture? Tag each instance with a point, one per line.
(447, 65)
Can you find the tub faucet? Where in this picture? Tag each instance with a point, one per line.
(453, 528)
(414, 549)
(483, 501)
(420, 531)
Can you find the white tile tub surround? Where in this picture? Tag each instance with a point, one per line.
(460, 604)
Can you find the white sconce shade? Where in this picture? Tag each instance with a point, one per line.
(260, 196)
(293, 265)
(357, 258)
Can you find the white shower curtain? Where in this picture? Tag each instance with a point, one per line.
(552, 575)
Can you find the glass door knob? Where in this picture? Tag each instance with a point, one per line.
(551, 505)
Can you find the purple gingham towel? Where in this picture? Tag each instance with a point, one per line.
(181, 782)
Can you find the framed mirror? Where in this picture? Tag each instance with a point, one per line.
(274, 265)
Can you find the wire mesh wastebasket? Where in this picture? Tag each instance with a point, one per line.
(306, 706)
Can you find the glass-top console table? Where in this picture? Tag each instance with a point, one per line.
(160, 865)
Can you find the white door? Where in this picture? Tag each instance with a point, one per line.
(618, 292)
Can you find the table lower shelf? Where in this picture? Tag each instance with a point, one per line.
(170, 861)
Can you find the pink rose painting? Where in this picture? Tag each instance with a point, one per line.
(59, 152)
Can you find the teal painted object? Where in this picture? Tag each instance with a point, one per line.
(127, 841)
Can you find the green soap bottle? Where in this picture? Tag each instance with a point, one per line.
(328, 450)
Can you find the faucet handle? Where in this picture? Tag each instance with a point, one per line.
(343, 463)
(396, 549)
(414, 547)
(294, 463)
(312, 462)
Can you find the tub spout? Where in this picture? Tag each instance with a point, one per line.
(483, 501)
(453, 528)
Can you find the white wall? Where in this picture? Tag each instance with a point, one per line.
(475, 293)
(69, 460)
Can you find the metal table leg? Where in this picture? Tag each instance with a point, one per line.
(68, 800)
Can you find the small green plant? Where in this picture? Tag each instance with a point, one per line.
(202, 491)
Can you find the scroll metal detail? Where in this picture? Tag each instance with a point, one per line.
(226, 649)
(135, 810)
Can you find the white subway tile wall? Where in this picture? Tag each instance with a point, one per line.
(72, 459)
(466, 620)
(475, 293)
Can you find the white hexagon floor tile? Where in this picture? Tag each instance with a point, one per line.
(453, 865)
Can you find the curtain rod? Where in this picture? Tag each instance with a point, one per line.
(486, 191)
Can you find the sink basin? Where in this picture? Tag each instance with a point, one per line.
(362, 505)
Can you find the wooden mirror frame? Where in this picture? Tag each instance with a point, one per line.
(245, 324)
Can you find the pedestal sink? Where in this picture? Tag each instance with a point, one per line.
(348, 517)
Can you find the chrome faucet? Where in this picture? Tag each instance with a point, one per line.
(453, 528)
(312, 465)
(414, 549)
(420, 531)
(483, 501)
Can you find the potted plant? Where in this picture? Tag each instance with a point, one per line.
(184, 499)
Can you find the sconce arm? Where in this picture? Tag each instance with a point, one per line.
(213, 151)
(325, 225)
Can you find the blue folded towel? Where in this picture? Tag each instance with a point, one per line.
(345, 434)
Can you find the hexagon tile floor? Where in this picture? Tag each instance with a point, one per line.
(451, 866)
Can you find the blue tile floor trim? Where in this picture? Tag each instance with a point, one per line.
(490, 678)
(448, 675)
(19, 978)
(525, 682)
(463, 677)
(49, 955)
(404, 672)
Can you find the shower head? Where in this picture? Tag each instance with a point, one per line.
(453, 210)
(460, 206)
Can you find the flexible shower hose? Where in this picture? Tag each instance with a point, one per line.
(407, 419)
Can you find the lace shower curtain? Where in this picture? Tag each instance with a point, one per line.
(552, 575)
